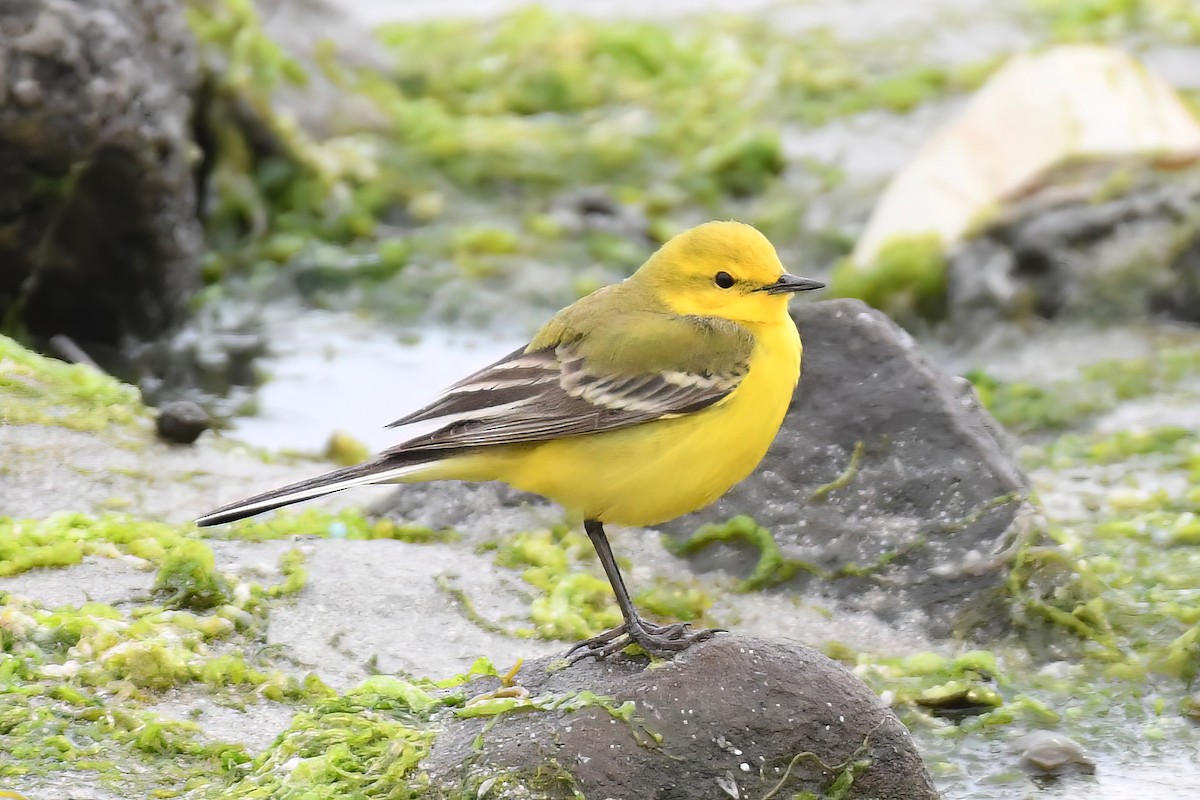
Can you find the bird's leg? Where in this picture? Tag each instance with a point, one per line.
(656, 640)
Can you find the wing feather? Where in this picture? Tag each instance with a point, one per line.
(531, 396)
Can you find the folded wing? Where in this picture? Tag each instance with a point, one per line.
(550, 393)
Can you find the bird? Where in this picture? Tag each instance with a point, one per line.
(638, 403)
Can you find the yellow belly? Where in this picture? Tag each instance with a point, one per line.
(656, 471)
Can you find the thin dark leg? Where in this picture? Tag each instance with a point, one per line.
(595, 532)
(656, 640)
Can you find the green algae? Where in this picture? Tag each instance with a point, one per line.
(65, 538)
(74, 681)
(1165, 446)
(505, 119)
(1114, 20)
(1127, 593)
(844, 479)
(467, 606)
(189, 579)
(572, 602)
(907, 279)
(38, 390)
(365, 743)
(492, 705)
(772, 567)
(346, 524)
(344, 450)
(1024, 407)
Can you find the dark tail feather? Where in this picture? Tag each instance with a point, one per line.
(378, 471)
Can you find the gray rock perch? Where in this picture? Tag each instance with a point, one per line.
(730, 718)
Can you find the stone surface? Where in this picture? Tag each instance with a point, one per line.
(1067, 252)
(917, 530)
(380, 606)
(99, 238)
(737, 717)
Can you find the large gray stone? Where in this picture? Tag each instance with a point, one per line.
(99, 238)
(1076, 248)
(730, 718)
(919, 531)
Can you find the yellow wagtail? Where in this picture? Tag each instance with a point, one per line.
(637, 404)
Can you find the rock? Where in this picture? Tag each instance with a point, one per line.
(1040, 110)
(386, 607)
(730, 718)
(99, 236)
(1057, 191)
(181, 422)
(1051, 753)
(1065, 252)
(918, 524)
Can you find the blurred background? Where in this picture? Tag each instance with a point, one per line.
(292, 221)
(417, 186)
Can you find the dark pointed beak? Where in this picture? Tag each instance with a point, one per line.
(787, 284)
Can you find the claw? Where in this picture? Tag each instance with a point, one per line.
(662, 641)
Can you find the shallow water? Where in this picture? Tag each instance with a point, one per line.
(333, 371)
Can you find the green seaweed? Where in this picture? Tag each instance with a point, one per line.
(1109, 20)
(366, 743)
(571, 604)
(35, 389)
(844, 479)
(189, 579)
(907, 279)
(508, 116)
(347, 524)
(772, 567)
(1024, 407)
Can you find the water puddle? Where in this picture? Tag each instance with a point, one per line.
(333, 371)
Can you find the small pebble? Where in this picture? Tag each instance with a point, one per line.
(1053, 753)
(27, 92)
(182, 422)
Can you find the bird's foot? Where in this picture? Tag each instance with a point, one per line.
(661, 641)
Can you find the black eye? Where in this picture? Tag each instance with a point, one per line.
(723, 279)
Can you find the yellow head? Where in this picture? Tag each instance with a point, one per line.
(722, 269)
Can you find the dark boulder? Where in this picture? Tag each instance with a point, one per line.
(1093, 242)
(888, 488)
(99, 238)
(729, 718)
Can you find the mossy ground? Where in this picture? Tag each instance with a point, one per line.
(46, 391)
(491, 131)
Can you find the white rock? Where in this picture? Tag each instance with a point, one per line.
(1038, 111)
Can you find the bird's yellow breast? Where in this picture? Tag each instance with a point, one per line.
(649, 473)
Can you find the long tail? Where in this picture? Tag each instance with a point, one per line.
(381, 470)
